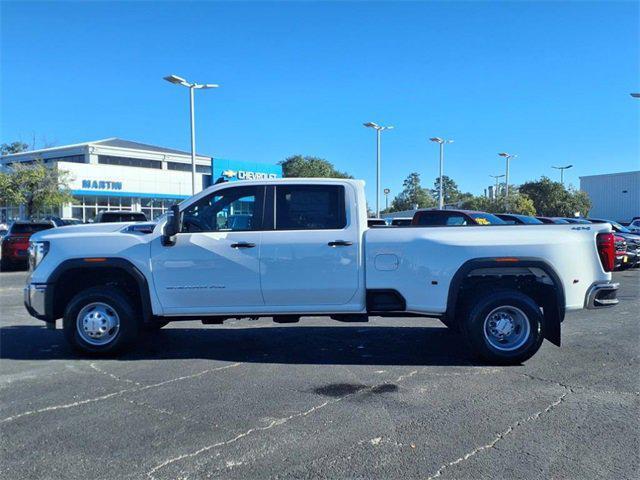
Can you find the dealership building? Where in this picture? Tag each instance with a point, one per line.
(614, 196)
(117, 174)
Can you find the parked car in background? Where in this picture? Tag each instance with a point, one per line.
(578, 220)
(376, 222)
(634, 226)
(632, 240)
(621, 252)
(401, 221)
(119, 216)
(553, 220)
(516, 219)
(15, 244)
(63, 222)
(439, 218)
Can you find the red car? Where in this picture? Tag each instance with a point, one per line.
(15, 245)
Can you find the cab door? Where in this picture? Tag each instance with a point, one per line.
(311, 256)
(213, 266)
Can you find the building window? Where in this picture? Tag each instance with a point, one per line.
(129, 162)
(186, 167)
(68, 158)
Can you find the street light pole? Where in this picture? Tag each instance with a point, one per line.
(562, 169)
(506, 180)
(379, 129)
(193, 140)
(495, 192)
(441, 141)
(192, 87)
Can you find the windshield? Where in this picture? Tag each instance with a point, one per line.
(487, 219)
(620, 228)
(529, 220)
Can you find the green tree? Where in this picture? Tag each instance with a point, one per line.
(36, 186)
(451, 191)
(13, 147)
(312, 167)
(518, 203)
(553, 199)
(412, 195)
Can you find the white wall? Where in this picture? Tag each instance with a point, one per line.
(134, 179)
(614, 196)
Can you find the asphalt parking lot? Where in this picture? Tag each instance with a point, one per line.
(392, 398)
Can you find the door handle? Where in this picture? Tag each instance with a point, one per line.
(243, 245)
(339, 243)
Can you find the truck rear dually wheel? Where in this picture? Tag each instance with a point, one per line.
(504, 327)
(100, 320)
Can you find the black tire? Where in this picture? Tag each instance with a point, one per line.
(509, 302)
(114, 299)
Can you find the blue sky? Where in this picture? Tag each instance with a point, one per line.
(549, 81)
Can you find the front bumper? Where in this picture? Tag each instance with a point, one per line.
(601, 295)
(35, 295)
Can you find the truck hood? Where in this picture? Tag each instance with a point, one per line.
(79, 230)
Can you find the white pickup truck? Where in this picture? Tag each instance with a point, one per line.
(293, 247)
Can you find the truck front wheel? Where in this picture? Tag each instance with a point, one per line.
(504, 327)
(100, 320)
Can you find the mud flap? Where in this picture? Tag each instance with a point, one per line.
(552, 327)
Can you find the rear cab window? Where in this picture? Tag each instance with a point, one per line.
(310, 207)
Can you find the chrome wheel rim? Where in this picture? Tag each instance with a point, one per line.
(97, 323)
(506, 328)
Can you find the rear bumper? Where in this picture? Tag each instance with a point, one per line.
(602, 295)
(35, 295)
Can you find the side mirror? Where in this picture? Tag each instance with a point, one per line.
(172, 227)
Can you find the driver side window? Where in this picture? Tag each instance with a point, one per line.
(228, 210)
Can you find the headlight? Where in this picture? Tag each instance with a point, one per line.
(37, 251)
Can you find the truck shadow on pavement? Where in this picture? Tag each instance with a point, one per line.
(357, 345)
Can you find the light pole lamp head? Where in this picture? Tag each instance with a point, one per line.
(440, 140)
(635, 95)
(507, 155)
(566, 167)
(176, 80)
(377, 127)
